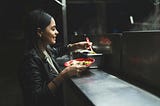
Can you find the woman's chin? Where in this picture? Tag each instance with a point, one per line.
(52, 43)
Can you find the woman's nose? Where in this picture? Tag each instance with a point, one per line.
(57, 31)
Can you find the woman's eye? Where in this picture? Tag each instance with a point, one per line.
(53, 29)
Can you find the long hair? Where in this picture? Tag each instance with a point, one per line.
(35, 19)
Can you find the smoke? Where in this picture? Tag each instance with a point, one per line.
(152, 22)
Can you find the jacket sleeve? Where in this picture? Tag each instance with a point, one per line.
(33, 83)
(59, 51)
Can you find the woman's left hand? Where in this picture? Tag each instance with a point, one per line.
(84, 45)
(81, 45)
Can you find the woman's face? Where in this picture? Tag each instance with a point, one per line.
(50, 33)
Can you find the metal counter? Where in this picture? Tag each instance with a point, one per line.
(102, 89)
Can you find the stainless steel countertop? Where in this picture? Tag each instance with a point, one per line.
(103, 89)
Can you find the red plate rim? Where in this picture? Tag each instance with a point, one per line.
(79, 59)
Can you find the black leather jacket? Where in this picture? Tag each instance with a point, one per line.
(35, 73)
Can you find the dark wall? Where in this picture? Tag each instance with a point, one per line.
(112, 15)
(140, 58)
(13, 12)
(82, 17)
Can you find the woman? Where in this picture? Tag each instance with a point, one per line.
(40, 77)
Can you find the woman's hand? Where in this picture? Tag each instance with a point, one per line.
(74, 70)
(84, 45)
(80, 45)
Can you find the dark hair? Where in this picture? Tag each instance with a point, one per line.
(35, 19)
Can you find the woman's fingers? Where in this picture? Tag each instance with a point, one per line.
(84, 44)
(75, 70)
(80, 69)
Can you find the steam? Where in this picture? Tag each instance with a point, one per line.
(152, 22)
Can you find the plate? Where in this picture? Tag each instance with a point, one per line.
(85, 51)
(80, 61)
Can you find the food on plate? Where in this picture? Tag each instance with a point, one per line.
(85, 51)
(80, 61)
(92, 52)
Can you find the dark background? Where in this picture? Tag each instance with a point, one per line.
(83, 17)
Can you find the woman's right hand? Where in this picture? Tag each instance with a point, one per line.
(74, 70)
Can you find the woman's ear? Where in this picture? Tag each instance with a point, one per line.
(39, 32)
